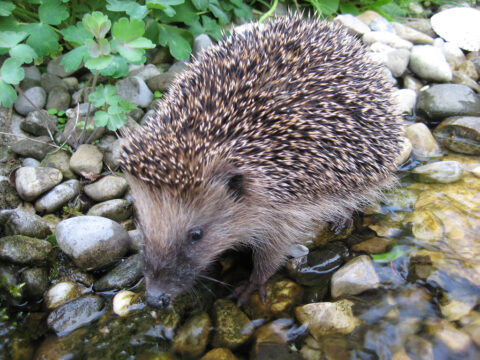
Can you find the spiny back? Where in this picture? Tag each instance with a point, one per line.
(296, 102)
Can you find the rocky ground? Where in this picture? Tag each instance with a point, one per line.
(403, 284)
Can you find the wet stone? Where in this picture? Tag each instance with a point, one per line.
(59, 160)
(87, 160)
(23, 249)
(443, 172)
(376, 245)
(219, 354)
(424, 144)
(116, 209)
(271, 342)
(58, 196)
(122, 276)
(36, 282)
(31, 182)
(74, 314)
(192, 337)
(406, 99)
(460, 134)
(92, 241)
(456, 340)
(32, 147)
(327, 318)
(317, 267)
(107, 188)
(405, 151)
(36, 122)
(444, 100)
(355, 277)
(232, 327)
(60, 293)
(22, 222)
(463, 79)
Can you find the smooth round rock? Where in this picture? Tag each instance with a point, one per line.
(31, 78)
(428, 62)
(355, 26)
(445, 100)
(49, 81)
(219, 354)
(58, 196)
(356, 276)
(423, 143)
(441, 172)
(20, 222)
(388, 38)
(59, 160)
(21, 249)
(36, 282)
(201, 43)
(406, 99)
(37, 97)
(122, 276)
(87, 160)
(121, 302)
(75, 314)
(72, 131)
(460, 134)
(463, 79)
(58, 98)
(327, 318)
(60, 293)
(410, 34)
(92, 241)
(381, 24)
(460, 26)
(405, 151)
(192, 337)
(36, 123)
(31, 182)
(135, 90)
(161, 82)
(54, 67)
(145, 72)
(116, 209)
(136, 239)
(30, 162)
(32, 147)
(107, 188)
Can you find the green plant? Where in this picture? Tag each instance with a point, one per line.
(61, 119)
(13, 290)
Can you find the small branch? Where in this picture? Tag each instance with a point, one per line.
(82, 136)
(269, 12)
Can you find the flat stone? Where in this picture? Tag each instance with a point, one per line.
(411, 34)
(58, 98)
(192, 337)
(145, 72)
(444, 100)
(161, 82)
(107, 188)
(75, 314)
(441, 172)
(87, 160)
(460, 134)
(376, 245)
(36, 122)
(59, 160)
(21, 222)
(37, 97)
(31, 182)
(423, 143)
(135, 90)
(429, 62)
(115, 209)
(58, 196)
(32, 147)
(126, 274)
(356, 276)
(92, 241)
(463, 79)
(355, 26)
(327, 318)
(388, 38)
(21, 249)
(60, 293)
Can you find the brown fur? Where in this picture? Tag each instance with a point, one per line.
(296, 113)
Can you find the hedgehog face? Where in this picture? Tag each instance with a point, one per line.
(184, 234)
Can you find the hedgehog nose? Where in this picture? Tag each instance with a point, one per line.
(157, 299)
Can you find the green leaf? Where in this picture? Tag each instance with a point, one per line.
(184, 13)
(52, 12)
(97, 48)
(72, 60)
(131, 54)
(112, 121)
(349, 8)
(8, 95)
(126, 31)
(43, 39)
(23, 53)
(211, 27)
(6, 8)
(126, 106)
(104, 95)
(101, 118)
(243, 11)
(395, 253)
(12, 72)
(201, 5)
(99, 63)
(117, 68)
(8, 39)
(97, 24)
(52, 111)
(176, 39)
(130, 7)
(76, 34)
(217, 11)
(165, 5)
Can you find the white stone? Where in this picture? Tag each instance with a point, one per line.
(354, 25)
(428, 62)
(121, 302)
(406, 99)
(355, 277)
(388, 38)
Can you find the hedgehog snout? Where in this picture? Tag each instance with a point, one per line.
(158, 299)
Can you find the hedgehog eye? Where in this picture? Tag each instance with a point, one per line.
(195, 235)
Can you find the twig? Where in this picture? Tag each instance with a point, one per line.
(94, 83)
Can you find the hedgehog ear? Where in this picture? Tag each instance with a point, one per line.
(235, 185)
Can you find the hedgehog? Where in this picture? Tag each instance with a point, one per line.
(275, 129)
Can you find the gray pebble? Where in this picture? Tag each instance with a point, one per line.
(429, 62)
(122, 276)
(116, 209)
(92, 242)
(87, 160)
(31, 78)
(381, 24)
(55, 68)
(49, 81)
(443, 172)
(36, 123)
(30, 162)
(58, 98)
(36, 282)
(21, 222)
(201, 43)
(107, 188)
(21, 249)
(135, 90)
(36, 147)
(58, 196)
(31, 182)
(59, 160)
(37, 97)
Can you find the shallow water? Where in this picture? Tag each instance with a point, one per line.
(425, 308)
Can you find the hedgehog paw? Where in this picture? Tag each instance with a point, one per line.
(244, 291)
(341, 224)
